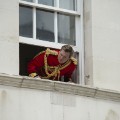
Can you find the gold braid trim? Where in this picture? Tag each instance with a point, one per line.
(54, 73)
(52, 52)
(74, 60)
(57, 68)
(65, 65)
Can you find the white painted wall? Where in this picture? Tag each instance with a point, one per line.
(31, 104)
(106, 43)
(88, 42)
(105, 32)
(9, 33)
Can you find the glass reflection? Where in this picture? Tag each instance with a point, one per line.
(46, 2)
(66, 29)
(45, 25)
(67, 4)
(25, 22)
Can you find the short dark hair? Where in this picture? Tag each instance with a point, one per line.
(68, 48)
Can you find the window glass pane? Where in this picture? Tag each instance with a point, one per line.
(25, 22)
(45, 25)
(66, 29)
(67, 4)
(46, 2)
(27, 0)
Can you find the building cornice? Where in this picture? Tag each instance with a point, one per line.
(48, 85)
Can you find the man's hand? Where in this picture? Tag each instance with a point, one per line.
(70, 82)
(33, 75)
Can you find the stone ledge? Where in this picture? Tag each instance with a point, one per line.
(70, 88)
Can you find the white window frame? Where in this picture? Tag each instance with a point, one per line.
(79, 31)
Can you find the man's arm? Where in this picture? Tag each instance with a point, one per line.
(72, 67)
(35, 64)
(68, 75)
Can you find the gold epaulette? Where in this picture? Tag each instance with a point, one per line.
(52, 52)
(74, 60)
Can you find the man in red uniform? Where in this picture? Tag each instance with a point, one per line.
(52, 64)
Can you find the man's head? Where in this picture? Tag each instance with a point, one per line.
(65, 53)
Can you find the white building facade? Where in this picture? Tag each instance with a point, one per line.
(92, 27)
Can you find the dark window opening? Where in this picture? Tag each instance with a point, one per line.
(26, 53)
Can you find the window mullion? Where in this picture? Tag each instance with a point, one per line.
(82, 45)
(36, 1)
(55, 27)
(57, 3)
(34, 23)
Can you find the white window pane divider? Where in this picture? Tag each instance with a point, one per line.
(80, 43)
(50, 8)
(34, 23)
(36, 42)
(76, 5)
(57, 3)
(35, 1)
(82, 47)
(55, 27)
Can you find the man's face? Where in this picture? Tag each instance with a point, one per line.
(63, 56)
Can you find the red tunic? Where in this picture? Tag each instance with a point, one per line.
(51, 69)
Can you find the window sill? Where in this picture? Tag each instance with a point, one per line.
(48, 85)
